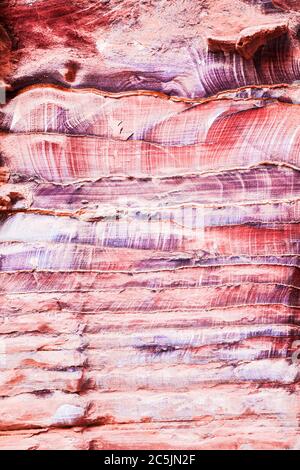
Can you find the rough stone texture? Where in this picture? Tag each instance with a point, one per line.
(149, 231)
(287, 4)
(249, 40)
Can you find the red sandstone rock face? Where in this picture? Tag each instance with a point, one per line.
(5, 53)
(121, 46)
(287, 4)
(149, 232)
(249, 40)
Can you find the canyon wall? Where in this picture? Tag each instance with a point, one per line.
(149, 230)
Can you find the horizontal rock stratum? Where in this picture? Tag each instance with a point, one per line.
(149, 231)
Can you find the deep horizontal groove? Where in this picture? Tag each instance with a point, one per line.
(155, 94)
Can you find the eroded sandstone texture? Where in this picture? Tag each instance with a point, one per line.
(149, 232)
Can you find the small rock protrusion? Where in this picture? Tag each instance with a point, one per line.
(249, 40)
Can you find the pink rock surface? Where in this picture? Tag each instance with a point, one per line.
(287, 4)
(249, 40)
(149, 231)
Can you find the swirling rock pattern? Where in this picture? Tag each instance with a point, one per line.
(149, 230)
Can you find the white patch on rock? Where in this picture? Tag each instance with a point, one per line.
(67, 415)
(268, 370)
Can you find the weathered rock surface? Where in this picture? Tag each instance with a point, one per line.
(5, 55)
(121, 46)
(249, 40)
(149, 231)
(287, 4)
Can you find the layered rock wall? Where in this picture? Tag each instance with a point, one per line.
(149, 232)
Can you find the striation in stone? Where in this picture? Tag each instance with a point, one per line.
(149, 225)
